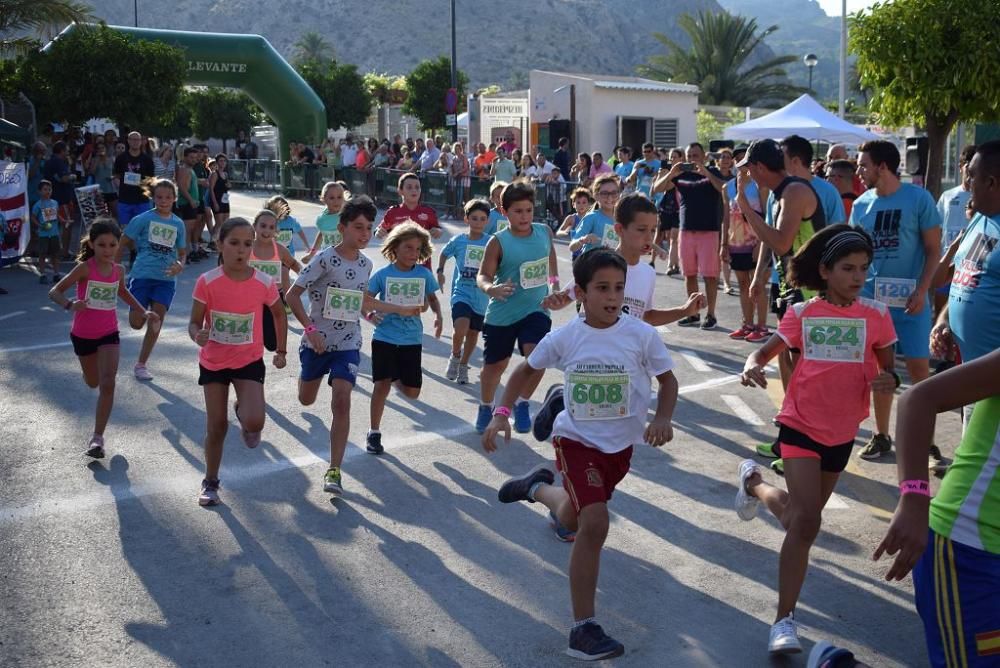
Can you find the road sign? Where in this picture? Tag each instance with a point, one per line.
(451, 101)
(450, 120)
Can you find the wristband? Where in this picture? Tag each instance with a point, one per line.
(921, 487)
(502, 410)
(309, 329)
(553, 280)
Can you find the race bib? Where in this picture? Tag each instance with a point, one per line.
(404, 291)
(893, 292)
(342, 304)
(834, 339)
(610, 238)
(102, 296)
(332, 238)
(535, 273)
(502, 224)
(231, 329)
(270, 267)
(284, 238)
(161, 234)
(132, 178)
(225, 198)
(597, 396)
(474, 257)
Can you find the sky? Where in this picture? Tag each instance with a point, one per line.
(832, 7)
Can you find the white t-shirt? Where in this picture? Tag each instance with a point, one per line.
(607, 372)
(640, 282)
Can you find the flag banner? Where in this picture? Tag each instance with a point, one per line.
(91, 204)
(16, 223)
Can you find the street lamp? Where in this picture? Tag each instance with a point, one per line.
(454, 71)
(810, 60)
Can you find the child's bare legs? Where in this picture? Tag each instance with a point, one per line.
(217, 419)
(746, 304)
(380, 392)
(489, 379)
(99, 371)
(761, 302)
(340, 406)
(136, 319)
(458, 337)
(673, 236)
(471, 340)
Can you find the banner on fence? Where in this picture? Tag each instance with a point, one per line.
(91, 205)
(16, 223)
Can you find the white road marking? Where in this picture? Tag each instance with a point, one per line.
(696, 362)
(836, 502)
(742, 410)
(124, 333)
(12, 315)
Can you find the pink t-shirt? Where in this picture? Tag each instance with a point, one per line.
(233, 316)
(829, 392)
(100, 318)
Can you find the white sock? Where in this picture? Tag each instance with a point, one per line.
(374, 431)
(581, 622)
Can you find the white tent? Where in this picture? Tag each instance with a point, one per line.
(804, 117)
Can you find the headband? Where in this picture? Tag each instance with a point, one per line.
(839, 241)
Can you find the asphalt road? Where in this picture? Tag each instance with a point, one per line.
(113, 563)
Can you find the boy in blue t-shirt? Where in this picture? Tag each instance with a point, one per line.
(597, 228)
(468, 302)
(497, 222)
(45, 220)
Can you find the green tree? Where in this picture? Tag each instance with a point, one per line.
(41, 18)
(64, 85)
(174, 125)
(342, 90)
(931, 63)
(312, 49)
(221, 113)
(427, 86)
(720, 61)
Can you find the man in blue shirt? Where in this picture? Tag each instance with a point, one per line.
(624, 167)
(905, 228)
(645, 170)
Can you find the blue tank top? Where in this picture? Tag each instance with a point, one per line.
(525, 263)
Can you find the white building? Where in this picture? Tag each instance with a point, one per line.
(611, 110)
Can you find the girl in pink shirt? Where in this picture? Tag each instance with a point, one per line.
(226, 322)
(99, 283)
(846, 347)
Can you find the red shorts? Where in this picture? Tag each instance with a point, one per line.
(699, 253)
(589, 475)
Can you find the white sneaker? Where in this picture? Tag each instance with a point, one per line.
(452, 372)
(746, 505)
(463, 374)
(141, 372)
(784, 637)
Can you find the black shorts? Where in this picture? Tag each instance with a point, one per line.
(669, 221)
(742, 261)
(832, 458)
(253, 371)
(393, 362)
(185, 212)
(201, 208)
(48, 246)
(780, 304)
(109, 197)
(222, 208)
(499, 340)
(84, 347)
(463, 310)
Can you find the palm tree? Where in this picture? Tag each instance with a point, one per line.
(40, 18)
(312, 48)
(720, 61)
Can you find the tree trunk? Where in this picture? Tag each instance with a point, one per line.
(938, 129)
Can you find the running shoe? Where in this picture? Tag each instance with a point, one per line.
(710, 322)
(877, 445)
(746, 505)
(553, 404)
(730, 290)
(451, 373)
(673, 271)
(562, 533)
(767, 450)
(141, 372)
(331, 482)
(742, 333)
(463, 374)
(589, 642)
(251, 439)
(936, 462)
(518, 489)
(689, 321)
(784, 638)
(825, 655)
(209, 492)
(778, 466)
(483, 418)
(374, 443)
(522, 418)
(95, 448)
(758, 335)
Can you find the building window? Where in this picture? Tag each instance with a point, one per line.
(665, 132)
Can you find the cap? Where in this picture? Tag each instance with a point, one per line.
(766, 152)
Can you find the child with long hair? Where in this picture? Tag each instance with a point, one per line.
(598, 227)
(226, 324)
(847, 352)
(99, 283)
(497, 222)
(274, 260)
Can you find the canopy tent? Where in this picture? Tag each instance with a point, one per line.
(804, 117)
(14, 134)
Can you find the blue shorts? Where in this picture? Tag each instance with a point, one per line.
(342, 364)
(126, 212)
(149, 290)
(499, 339)
(913, 332)
(956, 588)
(463, 310)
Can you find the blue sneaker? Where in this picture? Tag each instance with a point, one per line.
(541, 426)
(590, 643)
(522, 419)
(483, 418)
(562, 533)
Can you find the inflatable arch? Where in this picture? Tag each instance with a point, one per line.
(250, 63)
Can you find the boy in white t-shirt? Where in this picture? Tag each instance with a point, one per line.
(608, 360)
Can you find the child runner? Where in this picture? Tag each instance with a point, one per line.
(328, 222)
(45, 220)
(396, 343)
(270, 257)
(218, 189)
(497, 222)
(741, 249)
(160, 241)
(337, 283)
(598, 227)
(410, 209)
(225, 322)
(608, 361)
(583, 202)
(468, 302)
(847, 351)
(99, 282)
(517, 270)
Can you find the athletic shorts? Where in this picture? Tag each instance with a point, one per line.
(253, 371)
(84, 347)
(699, 253)
(779, 305)
(499, 340)
(793, 444)
(394, 362)
(185, 211)
(127, 211)
(150, 290)
(668, 221)
(589, 475)
(956, 588)
(222, 208)
(342, 364)
(109, 197)
(742, 261)
(201, 208)
(463, 310)
(48, 246)
(913, 332)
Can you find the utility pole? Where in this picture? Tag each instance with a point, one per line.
(454, 71)
(842, 97)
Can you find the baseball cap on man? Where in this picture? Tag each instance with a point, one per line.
(764, 152)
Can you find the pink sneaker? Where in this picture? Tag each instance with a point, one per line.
(742, 332)
(758, 334)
